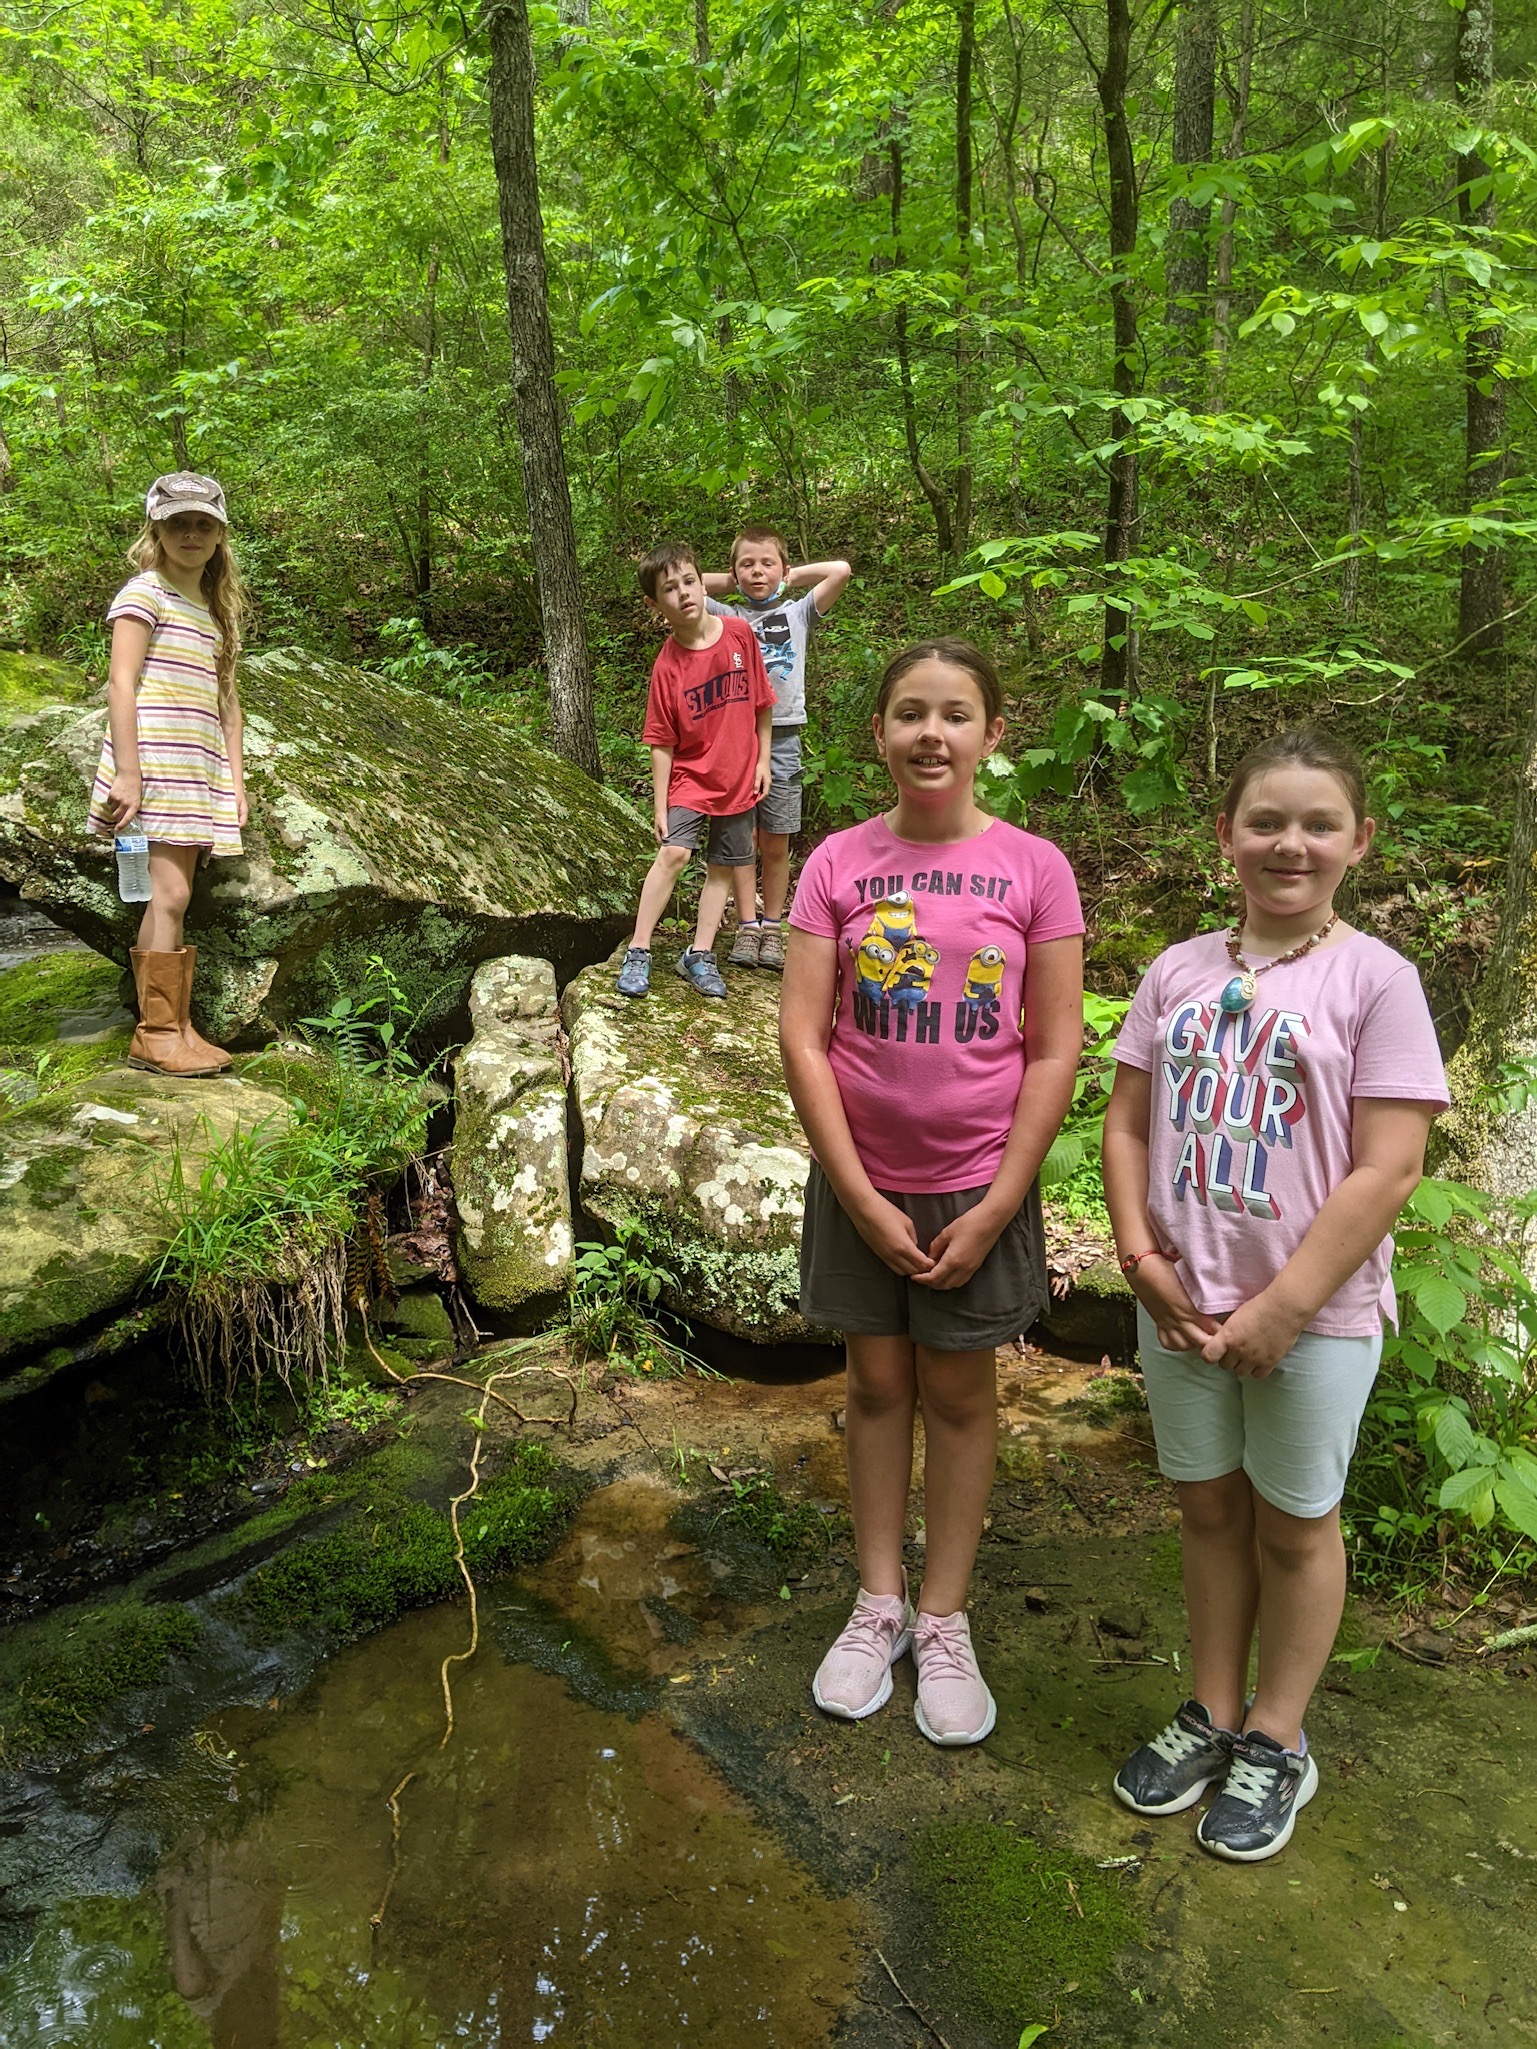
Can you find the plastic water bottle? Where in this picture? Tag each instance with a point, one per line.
(133, 867)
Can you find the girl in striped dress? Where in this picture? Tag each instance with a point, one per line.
(171, 760)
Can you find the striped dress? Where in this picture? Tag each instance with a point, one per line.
(189, 788)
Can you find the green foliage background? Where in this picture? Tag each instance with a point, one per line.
(264, 242)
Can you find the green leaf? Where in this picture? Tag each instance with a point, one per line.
(1456, 1439)
(1034, 2033)
(1518, 1504)
(990, 583)
(1441, 1302)
(1471, 1493)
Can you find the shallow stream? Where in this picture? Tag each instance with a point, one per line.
(640, 1833)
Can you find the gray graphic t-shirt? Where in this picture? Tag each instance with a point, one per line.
(783, 626)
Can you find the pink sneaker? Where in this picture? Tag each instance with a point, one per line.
(954, 1705)
(854, 1679)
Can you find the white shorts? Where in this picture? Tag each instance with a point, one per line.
(1292, 1432)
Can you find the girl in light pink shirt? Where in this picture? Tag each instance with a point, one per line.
(931, 1023)
(1274, 1090)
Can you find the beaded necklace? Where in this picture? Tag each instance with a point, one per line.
(1242, 989)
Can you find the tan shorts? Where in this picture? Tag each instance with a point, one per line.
(847, 1287)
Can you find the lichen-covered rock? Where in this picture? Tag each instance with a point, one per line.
(82, 1174)
(687, 1126)
(382, 821)
(510, 1181)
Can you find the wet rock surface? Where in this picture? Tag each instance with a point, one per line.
(382, 821)
(509, 1157)
(687, 1127)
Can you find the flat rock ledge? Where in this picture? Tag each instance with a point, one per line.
(687, 1128)
(509, 1158)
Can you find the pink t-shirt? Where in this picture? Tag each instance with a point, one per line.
(1251, 1125)
(932, 940)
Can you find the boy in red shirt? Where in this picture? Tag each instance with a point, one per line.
(708, 724)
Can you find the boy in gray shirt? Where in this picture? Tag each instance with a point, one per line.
(783, 606)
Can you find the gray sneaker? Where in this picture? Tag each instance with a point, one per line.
(635, 975)
(771, 948)
(1253, 1816)
(1171, 1772)
(744, 954)
(699, 969)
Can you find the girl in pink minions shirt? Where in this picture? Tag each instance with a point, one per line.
(931, 1023)
(1275, 1087)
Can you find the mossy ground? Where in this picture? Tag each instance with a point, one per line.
(33, 993)
(396, 1553)
(1018, 1920)
(57, 1678)
(783, 1528)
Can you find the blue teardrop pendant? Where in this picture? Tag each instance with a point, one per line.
(1239, 993)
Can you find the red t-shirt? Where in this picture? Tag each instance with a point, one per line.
(704, 704)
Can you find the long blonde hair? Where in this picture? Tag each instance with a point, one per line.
(224, 593)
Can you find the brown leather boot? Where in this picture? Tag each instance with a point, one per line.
(194, 1041)
(158, 1045)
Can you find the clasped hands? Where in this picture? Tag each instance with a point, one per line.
(1250, 1343)
(950, 1261)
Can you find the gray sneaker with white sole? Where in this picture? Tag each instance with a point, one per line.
(1266, 1787)
(1171, 1772)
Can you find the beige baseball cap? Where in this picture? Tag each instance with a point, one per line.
(185, 491)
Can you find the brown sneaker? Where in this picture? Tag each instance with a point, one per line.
(771, 948)
(744, 953)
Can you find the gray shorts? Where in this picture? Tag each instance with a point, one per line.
(729, 844)
(1292, 1432)
(845, 1286)
(780, 810)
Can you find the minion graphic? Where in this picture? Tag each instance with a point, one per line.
(894, 921)
(909, 976)
(984, 977)
(872, 964)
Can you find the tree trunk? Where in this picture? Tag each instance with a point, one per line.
(1186, 266)
(534, 401)
(1480, 627)
(1118, 666)
(964, 60)
(927, 483)
(1222, 300)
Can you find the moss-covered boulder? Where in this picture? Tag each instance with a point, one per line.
(84, 1163)
(509, 1160)
(686, 1126)
(382, 821)
(1097, 1314)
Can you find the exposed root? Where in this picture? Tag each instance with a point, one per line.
(242, 1329)
(488, 1392)
(376, 1919)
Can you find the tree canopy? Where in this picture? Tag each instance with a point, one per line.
(1173, 337)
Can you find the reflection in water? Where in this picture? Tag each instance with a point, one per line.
(223, 1922)
(567, 1876)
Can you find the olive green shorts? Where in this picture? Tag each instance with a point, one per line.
(847, 1287)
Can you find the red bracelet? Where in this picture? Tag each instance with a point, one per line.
(1153, 1252)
